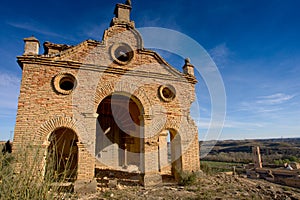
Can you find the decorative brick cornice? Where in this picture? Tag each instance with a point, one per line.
(178, 76)
(191, 79)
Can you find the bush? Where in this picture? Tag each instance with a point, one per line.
(187, 178)
(206, 168)
(293, 158)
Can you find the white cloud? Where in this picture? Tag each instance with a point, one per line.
(153, 22)
(9, 80)
(244, 125)
(257, 108)
(266, 104)
(9, 91)
(94, 31)
(220, 54)
(34, 27)
(277, 98)
(205, 123)
(37, 27)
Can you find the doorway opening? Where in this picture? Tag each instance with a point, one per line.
(118, 138)
(62, 155)
(169, 152)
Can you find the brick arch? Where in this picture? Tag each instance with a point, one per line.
(51, 125)
(173, 124)
(122, 88)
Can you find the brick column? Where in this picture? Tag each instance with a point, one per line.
(86, 147)
(86, 155)
(86, 167)
(190, 155)
(150, 159)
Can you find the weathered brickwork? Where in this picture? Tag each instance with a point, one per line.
(67, 85)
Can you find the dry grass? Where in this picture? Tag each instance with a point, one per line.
(21, 177)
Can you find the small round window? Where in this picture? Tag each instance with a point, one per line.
(122, 53)
(64, 83)
(167, 92)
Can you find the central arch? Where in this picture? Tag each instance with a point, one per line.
(119, 133)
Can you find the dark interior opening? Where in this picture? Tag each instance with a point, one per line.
(123, 54)
(66, 84)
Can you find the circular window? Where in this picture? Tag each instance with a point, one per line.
(64, 83)
(167, 92)
(122, 53)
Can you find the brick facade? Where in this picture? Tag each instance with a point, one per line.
(66, 86)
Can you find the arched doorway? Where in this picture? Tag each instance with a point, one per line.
(62, 155)
(118, 139)
(169, 152)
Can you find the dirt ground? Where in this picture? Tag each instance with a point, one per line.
(219, 186)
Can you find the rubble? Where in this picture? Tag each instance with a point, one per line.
(220, 186)
(288, 175)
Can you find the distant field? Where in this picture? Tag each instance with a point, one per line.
(213, 167)
(274, 151)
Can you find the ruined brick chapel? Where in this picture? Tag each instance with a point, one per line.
(110, 105)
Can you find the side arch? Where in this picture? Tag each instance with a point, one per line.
(61, 159)
(48, 128)
(51, 125)
(170, 152)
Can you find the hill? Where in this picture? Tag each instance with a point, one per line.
(274, 151)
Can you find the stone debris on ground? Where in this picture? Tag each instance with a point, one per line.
(219, 186)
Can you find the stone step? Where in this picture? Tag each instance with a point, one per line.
(63, 186)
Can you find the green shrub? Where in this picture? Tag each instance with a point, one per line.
(281, 161)
(206, 168)
(187, 178)
(293, 158)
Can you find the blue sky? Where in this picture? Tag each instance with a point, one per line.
(255, 45)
